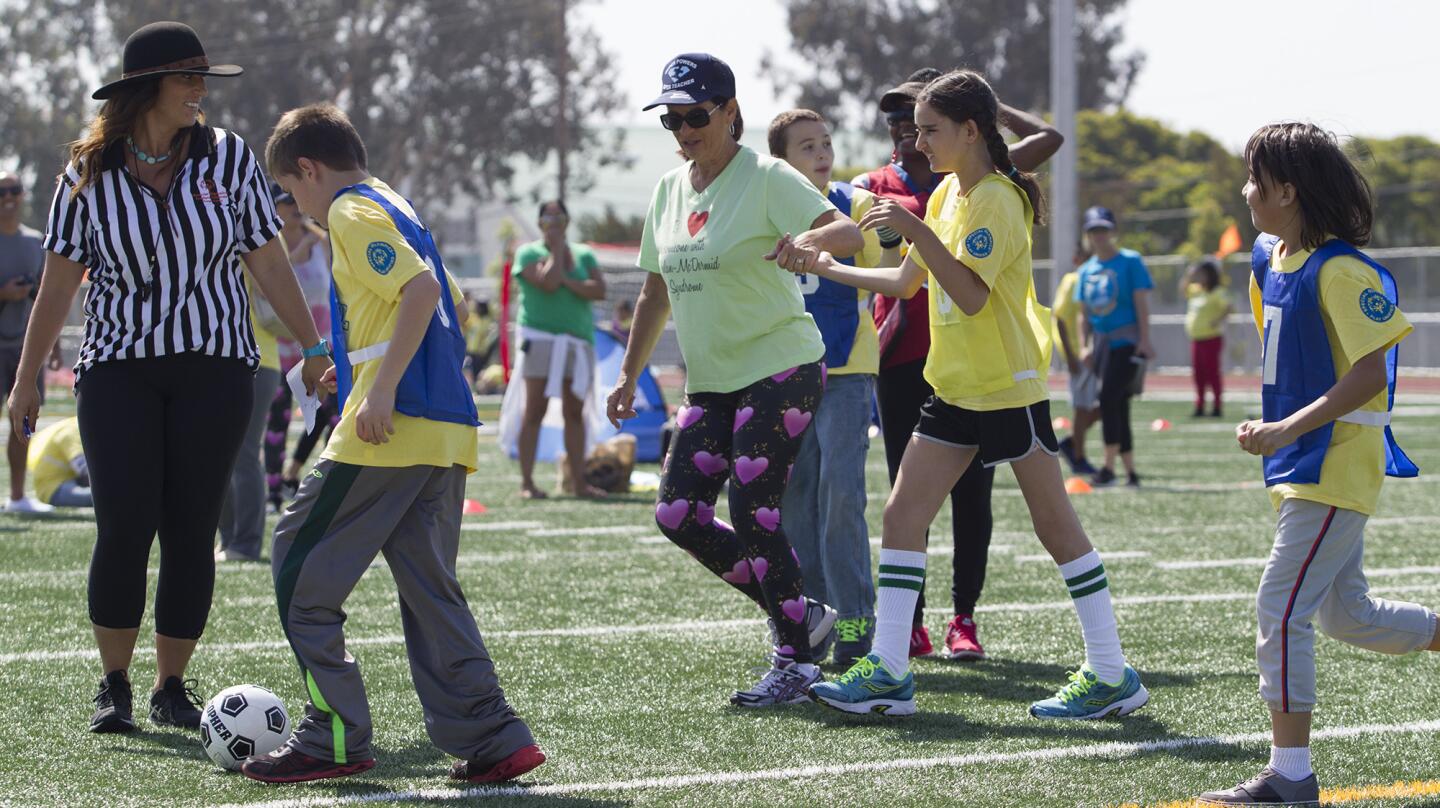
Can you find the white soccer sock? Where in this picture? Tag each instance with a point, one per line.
(1293, 762)
(1085, 576)
(902, 576)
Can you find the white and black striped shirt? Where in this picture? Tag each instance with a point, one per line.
(165, 274)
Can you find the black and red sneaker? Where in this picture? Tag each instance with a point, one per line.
(519, 762)
(286, 765)
(175, 704)
(114, 705)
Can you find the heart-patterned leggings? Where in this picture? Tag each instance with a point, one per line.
(750, 436)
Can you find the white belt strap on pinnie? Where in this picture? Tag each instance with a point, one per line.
(1366, 418)
(360, 356)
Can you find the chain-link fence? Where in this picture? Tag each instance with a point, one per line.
(1419, 299)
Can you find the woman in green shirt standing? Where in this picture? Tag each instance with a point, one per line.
(751, 351)
(557, 280)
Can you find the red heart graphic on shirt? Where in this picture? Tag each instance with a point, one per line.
(697, 221)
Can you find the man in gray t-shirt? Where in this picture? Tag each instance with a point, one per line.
(21, 258)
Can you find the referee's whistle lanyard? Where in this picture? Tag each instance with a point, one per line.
(151, 236)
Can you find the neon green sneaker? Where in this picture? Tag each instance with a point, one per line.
(853, 637)
(1085, 697)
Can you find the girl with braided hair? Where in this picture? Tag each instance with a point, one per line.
(990, 348)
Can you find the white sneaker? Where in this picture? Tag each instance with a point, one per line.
(28, 505)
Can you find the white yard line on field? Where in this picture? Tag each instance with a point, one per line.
(1055, 753)
(687, 627)
(487, 527)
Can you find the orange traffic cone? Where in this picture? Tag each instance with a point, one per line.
(1159, 425)
(472, 507)
(1060, 422)
(1077, 485)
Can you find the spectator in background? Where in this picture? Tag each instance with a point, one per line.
(1207, 304)
(620, 318)
(1084, 385)
(480, 339)
(309, 250)
(1114, 288)
(558, 281)
(21, 258)
(57, 465)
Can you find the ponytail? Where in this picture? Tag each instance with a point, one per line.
(1000, 156)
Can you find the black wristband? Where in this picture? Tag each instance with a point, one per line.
(887, 245)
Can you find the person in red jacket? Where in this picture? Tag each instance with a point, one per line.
(904, 328)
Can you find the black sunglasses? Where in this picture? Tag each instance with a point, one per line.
(900, 116)
(11, 190)
(697, 118)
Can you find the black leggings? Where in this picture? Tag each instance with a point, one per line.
(160, 437)
(752, 434)
(1115, 398)
(278, 428)
(901, 391)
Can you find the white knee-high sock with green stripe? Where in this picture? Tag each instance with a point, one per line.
(1085, 577)
(902, 577)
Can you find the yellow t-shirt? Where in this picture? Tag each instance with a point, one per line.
(998, 358)
(52, 457)
(1067, 310)
(369, 298)
(269, 348)
(1354, 466)
(1205, 311)
(865, 354)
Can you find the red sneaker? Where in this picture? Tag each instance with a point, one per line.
(520, 761)
(962, 642)
(285, 765)
(920, 642)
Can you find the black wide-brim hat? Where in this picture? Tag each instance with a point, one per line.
(160, 48)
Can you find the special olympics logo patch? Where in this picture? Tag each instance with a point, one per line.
(980, 243)
(1376, 306)
(381, 257)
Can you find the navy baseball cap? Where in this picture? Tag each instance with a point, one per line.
(1098, 218)
(692, 78)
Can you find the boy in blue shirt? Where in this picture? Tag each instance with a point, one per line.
(1114, 288)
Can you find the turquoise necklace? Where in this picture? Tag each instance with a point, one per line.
(142, 156)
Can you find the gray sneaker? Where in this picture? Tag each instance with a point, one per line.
(820, 620)
(1269, 787)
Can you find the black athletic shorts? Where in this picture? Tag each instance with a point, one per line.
(1001, 436)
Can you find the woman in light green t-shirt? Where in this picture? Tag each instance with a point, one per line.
(751, 351)
(558, 281)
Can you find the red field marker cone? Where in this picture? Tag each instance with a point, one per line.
(1077, 485)
(472, 507)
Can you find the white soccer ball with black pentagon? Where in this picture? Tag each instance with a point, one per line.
(241, 722)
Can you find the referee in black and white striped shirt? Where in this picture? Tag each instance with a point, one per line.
(161, 210)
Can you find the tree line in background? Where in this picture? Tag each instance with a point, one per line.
(446, 92)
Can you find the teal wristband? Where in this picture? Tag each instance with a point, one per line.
(321, 348)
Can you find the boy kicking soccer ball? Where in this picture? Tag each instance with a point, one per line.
(391, 480)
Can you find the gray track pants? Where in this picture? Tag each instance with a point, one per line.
(1315, 572)
(341, 518)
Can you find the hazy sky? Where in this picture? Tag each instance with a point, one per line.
(1220, 66)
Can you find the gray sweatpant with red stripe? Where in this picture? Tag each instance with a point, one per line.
(1314, 572)
(343, 516)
